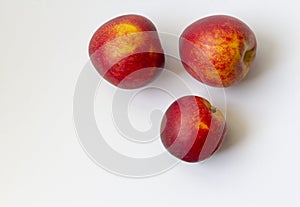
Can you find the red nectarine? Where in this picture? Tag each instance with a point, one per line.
(218, 50)
(126, 51)
(192, 129)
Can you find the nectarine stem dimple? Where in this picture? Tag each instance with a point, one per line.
(213, 109)
(249, 55)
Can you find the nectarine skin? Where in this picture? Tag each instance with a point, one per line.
(126, 51)
(218, 50)
(192, 129)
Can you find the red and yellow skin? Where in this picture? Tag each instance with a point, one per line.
(126, 51)
(192, 129)
(218, 50)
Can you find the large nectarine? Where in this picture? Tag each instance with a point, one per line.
(218, 50)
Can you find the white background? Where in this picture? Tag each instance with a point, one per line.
(43, 48)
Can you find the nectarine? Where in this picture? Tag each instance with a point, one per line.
(218, 50)
(126, 51)
(192, 129)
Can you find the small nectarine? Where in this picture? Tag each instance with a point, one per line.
(192, 129)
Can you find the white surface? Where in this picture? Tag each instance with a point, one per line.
(43, 50)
